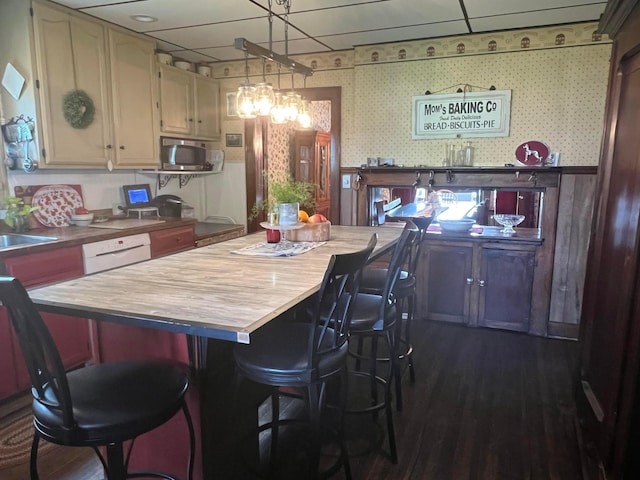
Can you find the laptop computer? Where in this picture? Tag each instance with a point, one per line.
(137, 196)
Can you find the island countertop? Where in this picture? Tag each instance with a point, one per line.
(208, 292)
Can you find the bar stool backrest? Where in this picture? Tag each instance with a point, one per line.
(398, 260)
(48, 376)
(334, 302)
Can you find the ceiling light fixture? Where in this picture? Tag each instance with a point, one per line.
(281, 107)
(278, 111)
(143, 18)
(246, 97)
(265, 97)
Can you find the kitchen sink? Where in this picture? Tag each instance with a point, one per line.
(16, 239)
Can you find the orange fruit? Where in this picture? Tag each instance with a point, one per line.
(303, 216)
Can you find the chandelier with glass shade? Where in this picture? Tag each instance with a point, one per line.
(261, 99)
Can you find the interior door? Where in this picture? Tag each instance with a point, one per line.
(611, 315)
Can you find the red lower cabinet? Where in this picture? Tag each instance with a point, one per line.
(165, 449)
(71, 334)
(8, 383)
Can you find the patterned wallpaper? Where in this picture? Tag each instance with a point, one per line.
(281, 139)
(557, 75)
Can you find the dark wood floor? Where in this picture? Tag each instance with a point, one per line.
(487, 404)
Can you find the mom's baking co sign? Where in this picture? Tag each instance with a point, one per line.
(475, 114)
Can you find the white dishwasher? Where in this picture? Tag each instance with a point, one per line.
(116, 252)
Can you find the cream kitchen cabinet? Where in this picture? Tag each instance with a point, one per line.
(117, 70)
(71, 54)
(189, 104)
(134, 95)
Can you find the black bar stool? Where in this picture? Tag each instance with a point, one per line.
(305, 356)
(373, 279)
(98, 406)
(375, 317)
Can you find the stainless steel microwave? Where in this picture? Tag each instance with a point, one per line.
(187, 155)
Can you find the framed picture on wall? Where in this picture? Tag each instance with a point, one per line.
(233, 139)
(230, 111)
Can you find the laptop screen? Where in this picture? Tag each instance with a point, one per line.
(137, 196)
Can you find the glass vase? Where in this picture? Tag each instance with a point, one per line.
(288, 213)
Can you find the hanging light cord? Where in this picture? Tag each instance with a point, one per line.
(246, 66)
(287, 8)
(270, 27)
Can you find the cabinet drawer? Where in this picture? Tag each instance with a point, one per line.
(172, 240)
(46, 267)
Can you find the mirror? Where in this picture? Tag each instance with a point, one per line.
(463, 202)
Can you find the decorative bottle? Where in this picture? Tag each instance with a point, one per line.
(468, 155)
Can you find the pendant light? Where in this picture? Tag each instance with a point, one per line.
(304, 118)
(304, 115)
(246, 97)
(265, 97)
(278, 112)
(292, 103)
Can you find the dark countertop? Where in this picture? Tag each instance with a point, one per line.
(206, 229)
(492, 234)
(74, 235)
(489, 233)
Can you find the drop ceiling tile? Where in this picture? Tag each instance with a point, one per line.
(549, 17)
(304, 5)
(374, 16)
(192, 56)
(220, 35)
(78, 4)
(347, 41)
(483, 8)
(174, 14)
(301, 46)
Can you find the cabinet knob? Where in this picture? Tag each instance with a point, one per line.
(199, 121)
(481, 283)
(191, 119)
(121, 147)
(469, 281)
(109, 147)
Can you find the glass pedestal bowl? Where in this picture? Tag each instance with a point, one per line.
(508, 221)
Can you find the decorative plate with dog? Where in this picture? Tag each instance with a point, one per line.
(532, 153)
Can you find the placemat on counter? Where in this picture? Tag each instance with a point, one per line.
(280, 249)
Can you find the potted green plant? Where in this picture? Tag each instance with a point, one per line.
(285, 199)
(17, 212)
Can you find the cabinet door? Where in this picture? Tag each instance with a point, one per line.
(444, 282)
(71, 334)
(172, 240)
(207, 107)
(313, 165)
(8, 385)
(134, 93)
(71, 55)
(176, 101)
(506, 280)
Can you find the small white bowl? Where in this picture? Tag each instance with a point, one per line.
(82, 223)
(188, 66)
(165, 58)
(459, 226)
(82, 216)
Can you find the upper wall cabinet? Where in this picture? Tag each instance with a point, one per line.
(116, 70)
(71, 55)
(189, 104)
(132, 62)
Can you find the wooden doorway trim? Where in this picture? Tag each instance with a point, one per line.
(256, 152)
(256, 162)
(334, 95)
